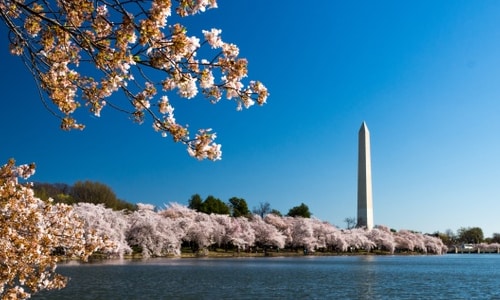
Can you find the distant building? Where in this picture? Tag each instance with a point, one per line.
(365, 199)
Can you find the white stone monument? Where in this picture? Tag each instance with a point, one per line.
(365, 200)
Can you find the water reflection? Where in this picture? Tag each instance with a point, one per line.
(366, 277)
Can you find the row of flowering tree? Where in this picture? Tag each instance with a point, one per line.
(164, 232)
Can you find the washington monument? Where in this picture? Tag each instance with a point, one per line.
(365, 200)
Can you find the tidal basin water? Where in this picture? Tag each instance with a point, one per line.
(452, 276)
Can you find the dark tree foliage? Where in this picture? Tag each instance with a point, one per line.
(470, 235)
(444, 238)
(263, 209)
(94, 192)
(213, 205)
(299, 211)
(87, 191)
(239, 207)
(448, 237)
(57, 191)
(195, 202)
(495, 238)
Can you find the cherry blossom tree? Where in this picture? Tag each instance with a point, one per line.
(106, 223)
(201, 233)
(241, 233)
(225, 229)
(302, 233)
(183, 219)
(492, 247)
(322, 231)
(32, 233)
(356, 238)
(221, 225)
(282, 224)
(434, 244)
(406, 239)
(265, 234)
(337, 241)
(175, 210)
(414, 241)
(154, 234)
(383, 238)
(82, 52)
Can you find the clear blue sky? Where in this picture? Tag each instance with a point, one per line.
(424, 75)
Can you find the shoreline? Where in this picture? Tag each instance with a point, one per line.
(232, 254)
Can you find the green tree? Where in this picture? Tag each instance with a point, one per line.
(263, 209)
(470, 235)
(239, 207)
(97, 193)
(195, 202)
(59, 192)
(213, 205)
(450, 237)
(92, 192)
(299, 211)
(495, 238)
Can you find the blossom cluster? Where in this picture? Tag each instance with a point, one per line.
(81, 52)
(160, 233)
(31, 232)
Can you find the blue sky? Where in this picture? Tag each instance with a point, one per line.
(424, 75)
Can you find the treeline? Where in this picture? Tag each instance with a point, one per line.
(82, 192)
(467, 235)
(238, 207)
(99, 193)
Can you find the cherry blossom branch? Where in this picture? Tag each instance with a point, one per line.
(126, 43)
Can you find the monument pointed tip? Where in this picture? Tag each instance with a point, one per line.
(364, 126)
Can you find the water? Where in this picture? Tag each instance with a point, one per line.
(459, 276)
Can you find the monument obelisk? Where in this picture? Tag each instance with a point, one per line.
(365, 200)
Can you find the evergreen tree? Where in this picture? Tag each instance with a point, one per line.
(239, 207)
(299, 211)
(195, 202)
(213, 205)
